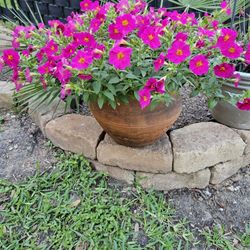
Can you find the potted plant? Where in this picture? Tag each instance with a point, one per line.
(129, 63)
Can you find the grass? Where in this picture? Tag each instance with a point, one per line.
(74, 207)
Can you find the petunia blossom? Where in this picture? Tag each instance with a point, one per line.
(145, 98)
(225, 6)
(126, 23)
(11, 58)
(244, 105)
(88, 5)
(1, 64)
(159, 62)
(227, 36)
(150, 36)
(178, 52)
(199, 65)
(115, 32)
(156, 85)
(247, 55)
(119, 57)
(69, 50)
(28, 76)
(84, 39)
(51, 48)
(232, 51)
(82, 60)
(224, 70)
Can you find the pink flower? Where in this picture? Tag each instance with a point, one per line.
(236, 80)
(181, 36)
(122, 6)
(95, 24)
(18, 85)
(45, 68)
(178, 52)
(88, 5)
(156, 85)
(82, 60)
(119, 57)
(215, 24)
(68, 51)
(51, 48)
(225, 6)
(145, 98)
(1, 64)
(125, 23)
(199, 65)
(85, 77)
(159, 62)
(224, 70)
(227, 36)
(64, 92)
(28, 76)
(151, 37)
(247, 55)
(84, 39)
(11, 58)
(114, 32)
(200, 44)
(244, 105)
(232, 51)
(62, 74)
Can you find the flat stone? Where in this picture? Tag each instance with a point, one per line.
(174, 180)
(115, 172)
(223, 171)
(203, 145)
(156, 158)
(6, 93)
(245, 135)
(75, 133)
(46, 112)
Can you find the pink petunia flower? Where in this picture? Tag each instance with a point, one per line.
(150, 37)
(119, 57)
(126, 23)
(178, 52)
(11, 58)
(145, 98)
(181, 36)
(1, 64)
(244, 105)
(199, 65)
(95, 24)
(159, 62)
(114, 32)
(45, 68)
(227, 36)
(88, 5)
(247, 55)
(122, 6)
(69, 50)
(200, 44)
(84, 39)
(62, 74)
(28, 76)
(225, 6)
(51, 48)
(64, 92)
(82, 60)
(232, 51)
(85, 77)
(224, 70)
(156, 85)
(236, 79)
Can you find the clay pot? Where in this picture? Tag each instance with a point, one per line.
(131, 126)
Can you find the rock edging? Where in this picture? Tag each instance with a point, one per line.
(193, 157)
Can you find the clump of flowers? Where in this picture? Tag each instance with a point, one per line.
(113, 52)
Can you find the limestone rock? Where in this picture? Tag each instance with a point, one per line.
(46, 112)
(174, 180)
(245, 135)
(225, 170)
(203, 145)
(156, 158)
(115, 172)
(6, 92)
(75, 133)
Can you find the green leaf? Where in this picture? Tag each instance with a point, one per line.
(114, 80)
(131, 76)
(97, 87)
(112, 89)
(212, 103)
(109, 95)
(100, 101)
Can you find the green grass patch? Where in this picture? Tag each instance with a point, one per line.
(74, 207)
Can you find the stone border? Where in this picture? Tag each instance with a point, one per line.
(193, 157)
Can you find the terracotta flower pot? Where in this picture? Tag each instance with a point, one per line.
(228, 114)
(129, 125)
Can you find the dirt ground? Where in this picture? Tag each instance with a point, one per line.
(23, 150)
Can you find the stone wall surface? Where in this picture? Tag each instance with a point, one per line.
(191, 157)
